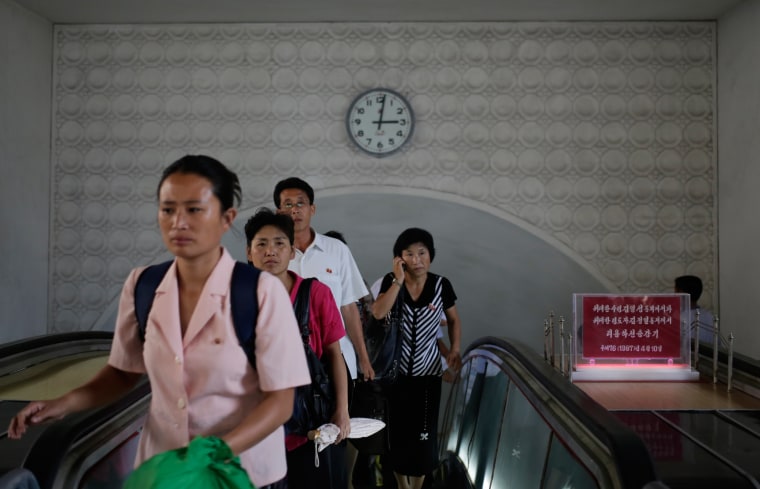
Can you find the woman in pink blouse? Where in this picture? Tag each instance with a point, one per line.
(201, 380)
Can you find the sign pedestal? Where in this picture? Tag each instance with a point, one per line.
(632, 337)
(649, 373)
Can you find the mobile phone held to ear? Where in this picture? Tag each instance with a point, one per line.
(403, 266)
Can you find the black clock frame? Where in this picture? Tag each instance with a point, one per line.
(391, 92)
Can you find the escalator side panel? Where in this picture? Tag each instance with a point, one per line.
(680, 461)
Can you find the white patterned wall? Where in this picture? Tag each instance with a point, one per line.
(599, 135)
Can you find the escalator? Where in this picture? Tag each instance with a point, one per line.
(701, 449)
(89, 450)
(512, 421)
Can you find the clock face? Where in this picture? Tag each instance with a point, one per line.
(380, 121)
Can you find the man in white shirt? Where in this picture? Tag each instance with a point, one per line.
(331, 262)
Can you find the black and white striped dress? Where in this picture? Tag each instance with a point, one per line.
(420, 322)
(416, 394)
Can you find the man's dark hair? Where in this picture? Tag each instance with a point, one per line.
(411, 236)
(267, 217)
(337, 235)
(292, 183)
(690, 284)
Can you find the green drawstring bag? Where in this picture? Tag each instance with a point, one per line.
(206, 463)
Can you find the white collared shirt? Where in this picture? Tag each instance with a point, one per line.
(330, 261)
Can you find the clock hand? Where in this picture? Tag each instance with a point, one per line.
(384, 122)
(380, 119)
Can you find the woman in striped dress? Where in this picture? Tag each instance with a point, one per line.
(415, 396)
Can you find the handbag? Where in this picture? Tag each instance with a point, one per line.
(382, 338)
(371, 401)
(313, 404)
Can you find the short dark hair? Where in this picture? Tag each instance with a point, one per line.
(267, 217)
(292, 182)
(414, 235)
(337, 235)
(690, 284)
(224, 182)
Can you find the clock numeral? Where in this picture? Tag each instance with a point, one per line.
(400, 110)
(379, 145)
(357, 122)
(402, 122)
(360, 134)
(360, 110)
(369, 141)
(380, 99)
(391, 141)
(400, 134)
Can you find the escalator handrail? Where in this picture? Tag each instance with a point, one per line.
(629, 453)
(21, 354)
(47, 454)
(35, 342)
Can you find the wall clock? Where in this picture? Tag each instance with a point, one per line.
(380, 121)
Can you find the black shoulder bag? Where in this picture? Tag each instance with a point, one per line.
(314, 404)
(382, 337)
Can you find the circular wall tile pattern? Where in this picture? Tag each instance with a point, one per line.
(501, 52)
(476, 134)
(642, 246)
(671, 245)
(614, 217)
(614, 245)
(70, 160)
(613, 80)
(669, 162)
(670, 190)
(613, 162)
(71, 106)
(558, 107)
(614, 190)
(393, 52)
(559, 162)
(531, 134)
(643, 274)
(503, 189)
(503, 79)
(642, 217)
(559, 134)
(668, 79)
(68, 242)
(587, 245)
(697, 80)
(613, 52)
(697, 52)
(586, 189)
(697, 162)
(559, 217)
(697, 107)
(615, 271)
(598, 134)
(585, 107)
(641, 135)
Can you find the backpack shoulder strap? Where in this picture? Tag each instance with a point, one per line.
(301, 308)
(145, 292)
(244, 304)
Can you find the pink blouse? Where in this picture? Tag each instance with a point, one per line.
(202, 383)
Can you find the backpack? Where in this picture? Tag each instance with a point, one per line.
(244, 302)
(314, 403)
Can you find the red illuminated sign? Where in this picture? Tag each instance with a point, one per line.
(631, 326)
